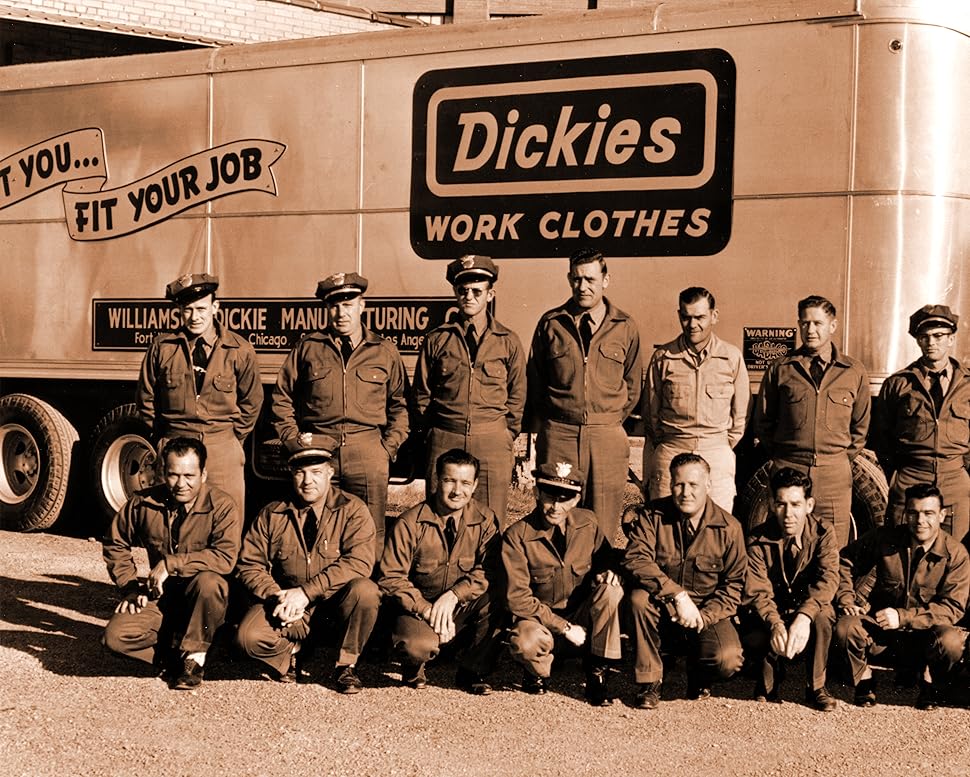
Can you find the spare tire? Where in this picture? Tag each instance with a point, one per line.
(122, 459)
(36, 445)
(870, 495)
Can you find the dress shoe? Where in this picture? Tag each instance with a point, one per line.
(347, 680)
(648, 696)
(289, 676)
(929, 697)
(532, 683)
(820, 699)
(472, 682)
(190, 677)
(865, 693)
(413, 676)
(597, 683)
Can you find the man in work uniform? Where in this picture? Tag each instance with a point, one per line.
(812, 413)
(695, 400)
(686, 563)
(307, 558)
(437, 569)
(793, 575)
(561, 585)
(192, 534)
(583, 382)
(349, 383)
(469, 384)
(202, 381)
(921, 423)
(919, 592)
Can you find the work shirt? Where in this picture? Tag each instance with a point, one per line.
(540, 579)
(316, 392)
(931, 592)
(274, 555)
(694, 398)
(566, 385)
(907, 430)
(774, 594)
(208, 539)
(231, 393)
(711, 568)
(799, 422)
(417, 567)
(453, 393)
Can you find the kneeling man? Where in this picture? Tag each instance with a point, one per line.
(793, 575)
(192, 534)
(436, 566)
(687, 562)
(307, 558)
(560, 584)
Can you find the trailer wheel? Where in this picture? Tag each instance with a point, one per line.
(36, 444)
(122, 458)
(870, 496)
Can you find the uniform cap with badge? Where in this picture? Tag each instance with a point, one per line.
(471, 268)
(341, 286)
(191, 287)
(931, 316)
(309, 448)
(560, 479)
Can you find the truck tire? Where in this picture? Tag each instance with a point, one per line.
(36, 445)
(122, 459)
(870, 496)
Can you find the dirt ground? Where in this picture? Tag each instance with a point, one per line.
(67, 707)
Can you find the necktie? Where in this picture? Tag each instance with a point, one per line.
(199, 362)
(936, 389)
(309, 529)
(559, 541)
(689, 533)
(346, 349)
(451, 533)
(791, 560)
(586, 331)
(817, 370)
(918, 554)
(177, 519)
(471, 338)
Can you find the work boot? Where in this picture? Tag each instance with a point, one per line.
(648, 696)
(597, 681)
(347, 680)
(698, 685)
(820, 699)
(929, 697)
(413, 676)
(865, 693)
(472, 682)
(532, 683)
(191, 676)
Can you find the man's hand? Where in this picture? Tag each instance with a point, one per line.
(575, 634)
(157, 578)
(888, 619)
(292, 603)
(442, 616)
(609, 577)
(688, 615)
(798, 634)
(779, 639)
(132, 604)
(854, 609)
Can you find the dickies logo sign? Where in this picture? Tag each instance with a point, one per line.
(632, 153)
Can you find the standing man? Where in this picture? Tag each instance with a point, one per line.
(192, 533)
(793, 575)
(695, 400)
(561, 585)
(311, 556)
(921, 426)
(584, 381)
(202, 381)
(812, 413)
(920, 590)
(348, 383)
(687, 565)
(437, 568)
(469, 384)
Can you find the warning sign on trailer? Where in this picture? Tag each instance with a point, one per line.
(764, 344)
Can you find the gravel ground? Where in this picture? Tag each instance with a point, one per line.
(67, 707)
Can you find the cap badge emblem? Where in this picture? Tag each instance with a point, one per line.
(563, 469)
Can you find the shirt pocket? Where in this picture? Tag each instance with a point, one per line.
(915, 420)
(612, 355)
(958, 427)
(677, 397)
(715, 409)
(224, 382)
(707, 574)
(371, 392)
(448, 373)
(321, 383)
(494, 378)
(793, 405)
(544, 583)
(173, 385)
(838, 410)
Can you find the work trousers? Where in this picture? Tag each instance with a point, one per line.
(713, 653)
(361, 467)
(225, 463)
(493, 449)
(832, 490)
(416, 642)
(717, 453)
(532, 644)
(954, 484)
(859, 638)
(756, 639)
(353, 607)
(603, 453)
(187, 615)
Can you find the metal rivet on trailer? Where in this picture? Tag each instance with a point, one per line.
(895, 44)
